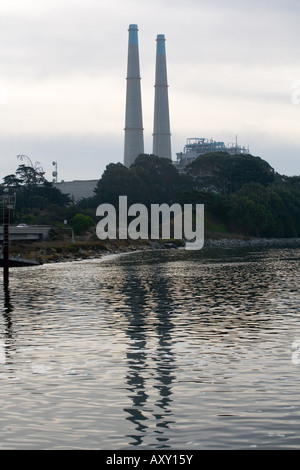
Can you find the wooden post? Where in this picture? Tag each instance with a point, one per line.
(8, 203)
(5, 246)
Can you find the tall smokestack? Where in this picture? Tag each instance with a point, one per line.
(134, 138)
(161, 128)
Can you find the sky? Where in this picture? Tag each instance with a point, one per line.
(233, 70)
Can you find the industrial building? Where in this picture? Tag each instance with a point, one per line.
(196, 146)
(77, 189)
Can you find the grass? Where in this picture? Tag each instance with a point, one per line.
(214, 226)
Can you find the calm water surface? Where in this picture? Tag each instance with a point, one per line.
(153, 350)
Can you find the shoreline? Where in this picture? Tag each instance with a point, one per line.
(252, 242)
(48, 252)
(55, 252)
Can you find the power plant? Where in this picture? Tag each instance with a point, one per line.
(134, 131)
(134, 137)
(134, 142)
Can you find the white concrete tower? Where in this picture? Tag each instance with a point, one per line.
(134, 137)
(161, 128)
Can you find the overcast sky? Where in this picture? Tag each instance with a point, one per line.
(233, 69)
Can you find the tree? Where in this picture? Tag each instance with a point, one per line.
(118, 180)
(247, 169)
(30, 176)
(81, 223)
(161, 182)
(265, 211)
(35, 195)
(211, 172)
(11, 181)
(149, 180)
(224, 173)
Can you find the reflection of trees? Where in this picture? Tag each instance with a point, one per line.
(148, 319)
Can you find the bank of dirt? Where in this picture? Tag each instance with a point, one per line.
(59, 251)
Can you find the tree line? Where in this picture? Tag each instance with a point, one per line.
(242, 193)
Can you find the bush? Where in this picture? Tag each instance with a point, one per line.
(81, 223)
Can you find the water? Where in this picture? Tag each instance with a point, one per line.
(153, 350)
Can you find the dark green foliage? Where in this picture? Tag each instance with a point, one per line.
(150, 180)
(35, 196)
(160, 181)
(81, 223)
(117, 180)
(246, 194)
(240, 192)
(225, 173)
(266, 211)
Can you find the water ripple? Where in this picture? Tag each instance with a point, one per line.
(169, 349)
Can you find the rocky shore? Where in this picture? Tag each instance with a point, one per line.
(54, 252)
(252, 242)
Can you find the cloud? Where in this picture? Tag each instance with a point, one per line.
(231, 66)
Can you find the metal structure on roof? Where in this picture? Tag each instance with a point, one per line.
(196, 146)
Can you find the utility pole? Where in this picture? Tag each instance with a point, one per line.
(8, 203)
(54, 173)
